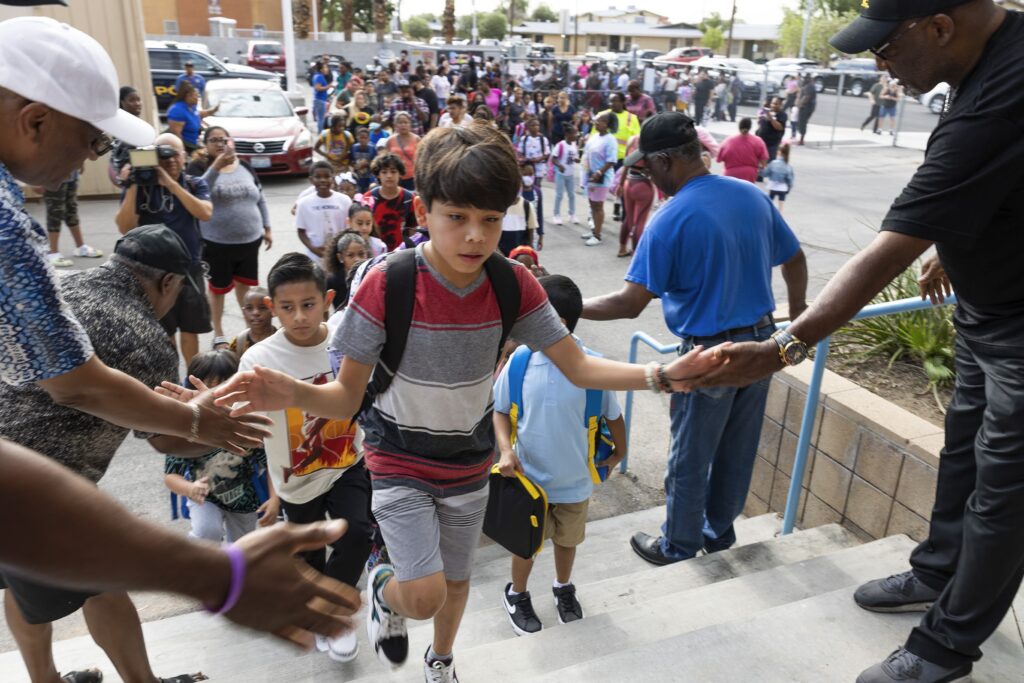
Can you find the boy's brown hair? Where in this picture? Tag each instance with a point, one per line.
(471, 166)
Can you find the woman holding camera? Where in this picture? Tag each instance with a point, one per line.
(240, 224)
(185, 119)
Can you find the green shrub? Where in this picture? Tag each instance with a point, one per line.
(923, 337)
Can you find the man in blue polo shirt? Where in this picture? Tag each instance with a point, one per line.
(190, 75)
(708, 255)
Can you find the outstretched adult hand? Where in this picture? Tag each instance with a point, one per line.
(684, 372)
(259, 390)
(285, 596)
(742, 364)
(233, 433)
(934, 282)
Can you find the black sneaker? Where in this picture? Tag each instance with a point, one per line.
(897, 593)
(902, 667)
(569, 608)
(519, 609)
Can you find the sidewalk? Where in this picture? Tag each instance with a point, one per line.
(820, 134)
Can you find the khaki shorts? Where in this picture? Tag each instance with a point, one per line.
(567, 523)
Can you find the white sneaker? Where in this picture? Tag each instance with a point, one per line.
(557, 220)
(58, 260)
(590, 222)
(574, 220)
(344, 648)
(589, 234)
(85, 251)
(439, 672)
(593, 241)
(386, 631)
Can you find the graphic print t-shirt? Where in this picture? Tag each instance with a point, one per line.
(305, 453)
(321, 218)
(393, 215)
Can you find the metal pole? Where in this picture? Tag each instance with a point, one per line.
(732, 22)
(835, 115)
(803, 445)
(475, 34)
(899, 120)
(808, 9)
(289, 44)
(314, 5)
(629, 398)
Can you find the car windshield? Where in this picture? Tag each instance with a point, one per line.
(250, 104)
(266, 50)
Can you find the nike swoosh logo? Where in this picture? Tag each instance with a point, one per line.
(510, 607)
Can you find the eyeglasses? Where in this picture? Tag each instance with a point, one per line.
(102, 144)
(880, 50)
(216, 141)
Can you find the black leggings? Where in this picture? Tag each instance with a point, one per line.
(873, 116)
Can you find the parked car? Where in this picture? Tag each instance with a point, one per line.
(266, 54)
(684, 55)
(860, 74)
(935, 99)
(780, 67)
(268, 132)
(167, 62)
(756, 88)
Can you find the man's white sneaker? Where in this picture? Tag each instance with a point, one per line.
(344, 648)
(594, 241)
(385, 630)
(557, 220)
(587, 235)
(58, 260)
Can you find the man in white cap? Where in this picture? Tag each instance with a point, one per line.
(58, 108)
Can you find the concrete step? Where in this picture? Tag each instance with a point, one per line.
(822, 638)
(676, 613)
(194, 642)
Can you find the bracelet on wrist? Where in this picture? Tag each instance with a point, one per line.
(649, 371)
(236, 559)
(193, 434)
(662, 377)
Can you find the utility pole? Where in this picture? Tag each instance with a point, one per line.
(732, 22)
(808, 9)
(289, 44)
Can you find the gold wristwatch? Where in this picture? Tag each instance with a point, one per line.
(792, 351)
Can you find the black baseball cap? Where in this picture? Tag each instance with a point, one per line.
(666, 130)
(879, 18)
(157, 246)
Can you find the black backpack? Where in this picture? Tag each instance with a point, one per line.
(400, 299)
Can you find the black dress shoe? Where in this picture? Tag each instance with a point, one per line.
(649, 548)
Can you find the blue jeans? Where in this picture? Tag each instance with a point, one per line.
(564, 185)
(319, 112)
(715, 433)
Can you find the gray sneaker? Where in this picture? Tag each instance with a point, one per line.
(906, 666)
(897, 593)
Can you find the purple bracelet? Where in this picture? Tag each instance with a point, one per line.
(237, 559)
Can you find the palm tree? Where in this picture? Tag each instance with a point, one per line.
(301, 18)
(448, 22)
(380, 19)
(348, 11)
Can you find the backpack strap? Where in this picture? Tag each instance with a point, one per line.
(506, 289)
(399, 301)
(516, 374)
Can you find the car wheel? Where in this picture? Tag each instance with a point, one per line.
(937, 103)
(819, 84)
(857, 88)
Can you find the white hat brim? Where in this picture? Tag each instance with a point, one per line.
(128, 128)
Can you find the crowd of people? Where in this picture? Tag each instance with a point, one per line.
(428, 238)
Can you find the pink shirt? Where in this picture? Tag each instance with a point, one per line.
(742, 155)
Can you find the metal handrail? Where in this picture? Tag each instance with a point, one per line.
(813, 392)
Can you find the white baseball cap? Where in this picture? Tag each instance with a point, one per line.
(49, 62)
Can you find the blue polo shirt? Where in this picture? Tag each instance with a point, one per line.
(197, 81)
(708, 254)
(552, 453)
(157, 205)
(321, 80)
(183, 113)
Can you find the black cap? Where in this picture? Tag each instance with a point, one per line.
(879, 18)
(31, 3)
(157, 246)
(663, 131)
(188, 62)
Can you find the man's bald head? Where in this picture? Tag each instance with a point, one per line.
(176, 164)
(170, 140)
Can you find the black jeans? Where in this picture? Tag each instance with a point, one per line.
(873, 116)
(974, 552)
(348, 499)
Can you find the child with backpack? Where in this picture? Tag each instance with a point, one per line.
(552, 455)
(224, 500)
(426, 326)
(779, 177)
(535, 149)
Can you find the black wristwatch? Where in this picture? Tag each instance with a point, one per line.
(792, 351)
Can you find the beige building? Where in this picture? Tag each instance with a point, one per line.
(117, 25)
(580, 35)
(192, 17)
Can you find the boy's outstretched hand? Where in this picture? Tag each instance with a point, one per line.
(685, 372)
(260, 390)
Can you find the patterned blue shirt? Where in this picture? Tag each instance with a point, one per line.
(39, 336)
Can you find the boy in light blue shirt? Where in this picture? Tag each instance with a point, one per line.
(554, 455)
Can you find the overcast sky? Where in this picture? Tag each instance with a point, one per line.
(750, 11)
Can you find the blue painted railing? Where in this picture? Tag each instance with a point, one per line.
(803, 445)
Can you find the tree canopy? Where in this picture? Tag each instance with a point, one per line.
(822, 28)
(489, 24)
(543, 12)
(418, 28)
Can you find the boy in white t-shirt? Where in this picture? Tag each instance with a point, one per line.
(314, 463)
(517, 226)
(321, 214)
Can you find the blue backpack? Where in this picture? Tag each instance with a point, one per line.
(600, 446)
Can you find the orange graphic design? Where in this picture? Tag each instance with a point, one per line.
(317, 443)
